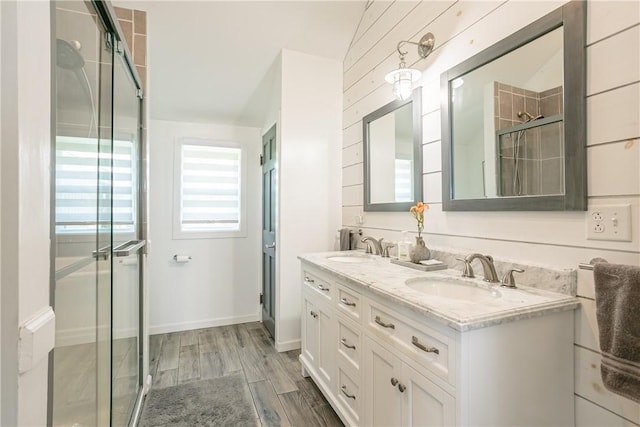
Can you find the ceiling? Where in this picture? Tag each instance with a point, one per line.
(207, 58)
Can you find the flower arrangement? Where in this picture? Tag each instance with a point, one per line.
(418, 213)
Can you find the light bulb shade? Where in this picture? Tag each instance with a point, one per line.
(402, 80)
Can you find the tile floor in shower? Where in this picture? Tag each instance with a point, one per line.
(277, 387)
(75, 383)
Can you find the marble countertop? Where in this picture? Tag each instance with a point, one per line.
(383, 278)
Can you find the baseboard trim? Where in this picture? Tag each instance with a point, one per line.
(208, 323)
(288, 345)
(86, 335)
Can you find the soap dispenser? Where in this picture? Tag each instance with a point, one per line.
(404, 248)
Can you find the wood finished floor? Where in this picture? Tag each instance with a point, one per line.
(281, 395)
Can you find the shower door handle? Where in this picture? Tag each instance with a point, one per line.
(128, 248)
(103, 252)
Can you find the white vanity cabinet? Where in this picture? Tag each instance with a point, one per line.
(381, 363)
(397, 394)
(319, 328)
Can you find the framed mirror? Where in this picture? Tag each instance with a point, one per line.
(392, 139)
(513, 120)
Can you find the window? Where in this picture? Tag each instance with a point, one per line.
(76, 187)
(209, 193)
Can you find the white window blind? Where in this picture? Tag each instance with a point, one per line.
(78, 209)
(210, 188)
(404, 180)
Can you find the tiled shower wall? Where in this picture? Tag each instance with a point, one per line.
(511, 100)
(134, 27)
(531, 161)
(74, 23)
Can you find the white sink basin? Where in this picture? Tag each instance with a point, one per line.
(452, 288)
(351, 258)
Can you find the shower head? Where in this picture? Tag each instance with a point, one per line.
(529, 117)
(68, 55)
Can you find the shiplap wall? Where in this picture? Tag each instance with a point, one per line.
(557, 239)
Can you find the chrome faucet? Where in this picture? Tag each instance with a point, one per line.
(386, 247)
(508, 280)
(370, 241)
(490, 274)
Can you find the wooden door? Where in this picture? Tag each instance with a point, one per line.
(269, 183)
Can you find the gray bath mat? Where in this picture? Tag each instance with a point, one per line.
(224, 401)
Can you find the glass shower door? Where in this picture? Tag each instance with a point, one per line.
(96, 364)
(127, 253)
(81, 294)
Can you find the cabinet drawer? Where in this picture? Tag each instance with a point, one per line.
(426, 346)
(348, 393)
(349, 343)
(321, 286)
(349, 302)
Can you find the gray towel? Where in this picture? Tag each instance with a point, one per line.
(618, 313)
(345, 239)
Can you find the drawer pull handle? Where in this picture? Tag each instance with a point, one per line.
(343, 389)
(347, 302)
(343, 341)
(384, 325)
(402, 388)
(308, 279)
(394, 381)
(414, 341)
(323, 289)
(314, 314)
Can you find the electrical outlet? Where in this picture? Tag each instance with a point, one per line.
(609, 222)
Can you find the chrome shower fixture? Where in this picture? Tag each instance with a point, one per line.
(68, 54)
(529, 117)
(403, 78)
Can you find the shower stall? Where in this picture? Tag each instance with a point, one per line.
(96, 367)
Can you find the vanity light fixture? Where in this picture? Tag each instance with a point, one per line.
(402, 79)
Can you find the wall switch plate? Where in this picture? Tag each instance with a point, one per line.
(609, 222)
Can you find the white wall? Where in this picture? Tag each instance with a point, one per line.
(309, 177)
(268, 97)
(222, 282)
(462, 30)
(26, 139)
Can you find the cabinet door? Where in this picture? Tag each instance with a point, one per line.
(327, 348)
(424, 403)
(383, 399)
(310, 331)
